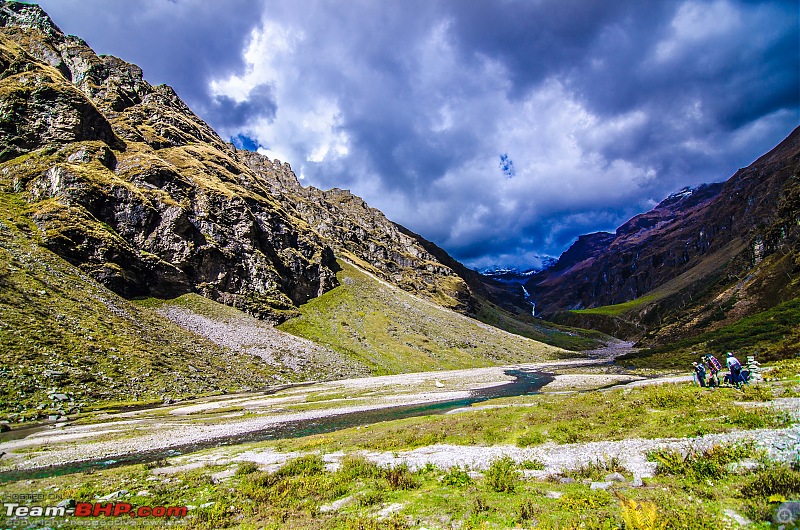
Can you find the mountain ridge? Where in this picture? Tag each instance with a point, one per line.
(699, 260)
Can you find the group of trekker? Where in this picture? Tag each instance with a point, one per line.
(706, 372)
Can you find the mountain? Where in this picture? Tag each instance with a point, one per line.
(127, 183)
(144, 258)
(702, 259)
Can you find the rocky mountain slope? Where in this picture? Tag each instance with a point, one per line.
(701, 259)
(113, 191)
(127, 183)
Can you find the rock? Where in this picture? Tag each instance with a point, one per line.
(554, 494)
(144, 493)
(207, 504)
(4, 427)
(336, 505)
(114, 495)
(59, 397)
(739, 519)
(566, 480)
(600, 485)
(637, 482)
(615, 477)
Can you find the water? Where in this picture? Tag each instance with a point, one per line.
(524, 383)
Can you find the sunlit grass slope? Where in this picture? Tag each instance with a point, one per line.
(392, 331)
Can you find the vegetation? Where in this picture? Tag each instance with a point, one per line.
(526, 325)
(669, 410)
(391, 331)
(770, 335)
(63, 334)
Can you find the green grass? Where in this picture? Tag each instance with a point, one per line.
(618, 309)
(293, 496)
(774, 334)
(526, 325)
(63, 333)
(391, 331)
(671, 410)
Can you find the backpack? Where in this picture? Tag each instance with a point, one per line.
(715, 365)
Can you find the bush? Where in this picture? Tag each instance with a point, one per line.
(456, 476)
(598, 469)
(502, 475)
(245, 468)
(529, 438)
(710, 464)
(400, 478)
(566, 434)
(775, 480)
(537, 465)
(356, 466)
(303, 466)
(584, 500)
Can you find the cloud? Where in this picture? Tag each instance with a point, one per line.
(499, 130)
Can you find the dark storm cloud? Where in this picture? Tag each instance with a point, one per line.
(500, 130)
(181, 43)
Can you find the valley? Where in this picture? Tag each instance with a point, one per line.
(184, 323)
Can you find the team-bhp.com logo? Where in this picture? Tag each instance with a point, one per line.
(92, 509)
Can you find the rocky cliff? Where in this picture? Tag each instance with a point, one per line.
(124, 181)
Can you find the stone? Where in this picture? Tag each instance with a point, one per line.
(600, 485)
(554, 494)
(4, 427)
(566, 480)
(113, 495)
(615, 477)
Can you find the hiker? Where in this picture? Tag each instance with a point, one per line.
(735, 368)
(714, 368)
(699, 374)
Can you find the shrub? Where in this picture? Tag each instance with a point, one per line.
(775, 480)
(527, 510)
(245, 468)
(641, 515)
(566, 434)
(400, 478)
(582, 500)
(370, 498)
(700, 465)
(303, 466)
(356, 466)
(755, 392)
(529, 438)
(456, 476)
(532, 464)
(502, 475)
(597, 469)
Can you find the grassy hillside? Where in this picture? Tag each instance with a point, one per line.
(773, 334)
(525, 324)
(62, 333)
(391, 331)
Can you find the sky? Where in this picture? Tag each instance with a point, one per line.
(501, 130)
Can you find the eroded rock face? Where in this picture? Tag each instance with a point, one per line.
(126, 182)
